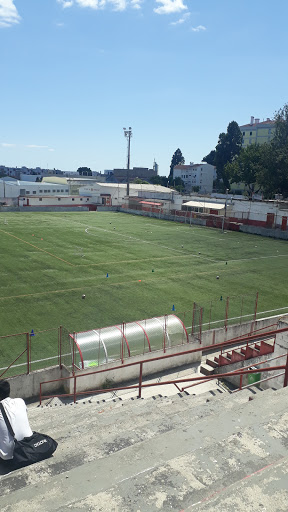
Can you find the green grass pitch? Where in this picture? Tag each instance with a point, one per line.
(49, 260)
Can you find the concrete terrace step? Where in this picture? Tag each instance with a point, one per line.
(101, 430)
(172, 470)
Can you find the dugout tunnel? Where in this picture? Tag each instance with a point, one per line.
(100, 346)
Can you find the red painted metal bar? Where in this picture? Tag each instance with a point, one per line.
(140, 380)
(193, 318)
(146, 336)
(153, 384)
(226, 313)
(286, 374)
(200, 325)
(243, 368)
(167, 356)
(241, 381)
(122, 332)
(6, 369)
(258, 382)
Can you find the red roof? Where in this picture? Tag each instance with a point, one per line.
(150, 202)
(257, 124)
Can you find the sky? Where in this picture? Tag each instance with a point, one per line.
(73, 73)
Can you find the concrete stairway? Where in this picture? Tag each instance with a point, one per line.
(157, 454)
(236, 355)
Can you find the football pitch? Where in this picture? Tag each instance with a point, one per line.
(128, 267)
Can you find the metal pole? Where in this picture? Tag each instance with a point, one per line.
(140, 380)
(241, 382)
(286, 374)
(128, 135)
(74, 397)
(226, 313)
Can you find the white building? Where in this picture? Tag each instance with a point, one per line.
(115, 194)
(196, 175)
(16, 188)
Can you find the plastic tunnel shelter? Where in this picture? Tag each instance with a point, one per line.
(100, 346)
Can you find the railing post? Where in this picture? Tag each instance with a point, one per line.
(241, 382)
(226, 313)
(73, 353)
(60, 346)
(286, 374)
(200, 325)
(74, 393)
(140, 380)
(193, 318)
(40, 398)
(28, 341)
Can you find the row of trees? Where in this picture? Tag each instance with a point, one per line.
(260, 167)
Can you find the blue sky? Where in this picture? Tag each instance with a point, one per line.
(75, 72)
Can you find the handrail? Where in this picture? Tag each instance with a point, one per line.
(243, 368)
(166, 356)
(6, 369)
(153, 384)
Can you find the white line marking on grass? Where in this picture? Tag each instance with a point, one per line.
(145, 242)
(260, 258)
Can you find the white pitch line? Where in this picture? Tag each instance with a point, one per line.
(146, 242)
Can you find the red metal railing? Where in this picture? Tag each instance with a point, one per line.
(140, 384)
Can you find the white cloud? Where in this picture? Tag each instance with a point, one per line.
(8, 13)
(7, 145)
(198, 29)
(136, 4)
(118, 5)
(181, 20)
(170, 6)
(65, 3)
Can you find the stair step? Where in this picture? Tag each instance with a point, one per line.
(206, 369)
(212, 363)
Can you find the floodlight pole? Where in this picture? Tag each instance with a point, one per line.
(128, 135)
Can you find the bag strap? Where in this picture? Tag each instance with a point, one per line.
(8, 424)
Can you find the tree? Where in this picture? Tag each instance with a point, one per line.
(247, 167)
(140, 182)
(177, 159)
(84, 171)
(178, 184)
(229, 146)
(159, 180)
(210, 158)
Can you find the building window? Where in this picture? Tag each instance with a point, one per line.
(243, 134)
(66, 190)
(250, 134)
(73, 199)
(40, 198)
(61, 190)
(81, 199)
(41, 191)
(59, 198)
(27, 192)
(58, 190)
(34, 191)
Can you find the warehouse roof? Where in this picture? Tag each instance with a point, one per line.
(201, 204)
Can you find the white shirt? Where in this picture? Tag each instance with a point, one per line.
(16, 411)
